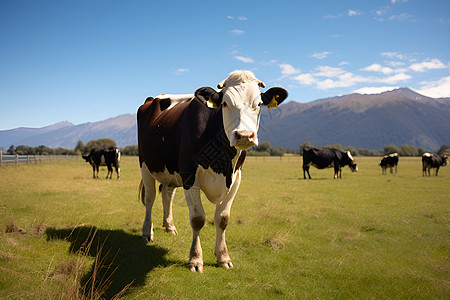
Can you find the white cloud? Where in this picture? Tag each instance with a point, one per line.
(393, 55)
(402, 17)
(353, 13)
(327, 71)
(395, 63)
(305, 79)
(181, 71)
(244, 59)
(436, 89)
(394, 78)
(332, 16)
(342, 63)
(237, 32)
(242, 18)
(321, 55)
(397, 1)
(287, 69)
(374, 90)
(428, 65)
(230, 17)
(378, 68)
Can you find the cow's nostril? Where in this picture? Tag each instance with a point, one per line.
(238, 136)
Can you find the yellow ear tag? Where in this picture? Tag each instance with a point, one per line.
(211, 104)
(273, 103)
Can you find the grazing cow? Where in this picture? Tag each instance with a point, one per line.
(198, 142)
(389, 161)
(430, 161)
(109, 157)
(322, 158)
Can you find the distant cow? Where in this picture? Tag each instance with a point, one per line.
(389, 161)
(199, 142)
(109, 157)
(322, 158)
(430, 161)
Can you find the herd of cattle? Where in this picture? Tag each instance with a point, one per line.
(199, 141)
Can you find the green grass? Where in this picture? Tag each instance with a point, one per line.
(366, 236)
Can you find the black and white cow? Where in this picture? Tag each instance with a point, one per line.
(198, 142)
(322, 158)
(109, 157)
(389, 161)
(430, 161)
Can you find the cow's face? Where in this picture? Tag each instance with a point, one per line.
(240, 99)
(352, 165)
(444, 160)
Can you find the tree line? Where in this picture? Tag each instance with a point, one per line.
(264, 149)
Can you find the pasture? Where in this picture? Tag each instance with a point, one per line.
(365, 236)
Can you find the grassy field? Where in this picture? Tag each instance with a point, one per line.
(366, 236)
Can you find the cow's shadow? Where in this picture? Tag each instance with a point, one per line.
(123, 258)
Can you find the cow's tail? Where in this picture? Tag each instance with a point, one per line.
(142, 192)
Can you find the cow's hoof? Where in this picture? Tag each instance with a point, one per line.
(172, 231)
(226, 265)
(148, 238)
(196, 267)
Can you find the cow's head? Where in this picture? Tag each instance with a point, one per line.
(352, 164)
(240, 100)
(444, 160)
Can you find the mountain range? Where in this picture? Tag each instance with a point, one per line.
(397, 117)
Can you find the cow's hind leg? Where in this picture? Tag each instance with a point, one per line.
(110, 172)
(221, 218)
(167, 198)
(197, 216)
(148, 200)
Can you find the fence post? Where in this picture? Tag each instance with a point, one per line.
(16, 159)
(28, 159)
(1, 157)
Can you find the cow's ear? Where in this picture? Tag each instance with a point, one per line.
(274, 96)
(209, 97)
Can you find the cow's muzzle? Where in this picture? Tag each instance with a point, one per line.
(243, 139)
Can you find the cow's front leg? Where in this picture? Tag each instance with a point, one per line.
(148, 200)
(197, 216)
(221, 219)
(167, 198)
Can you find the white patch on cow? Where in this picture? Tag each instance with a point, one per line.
(213, 184)
(118, 154)
(427, 154)
(166, 178)
(242, 108)
(350, 155)
(175, 99)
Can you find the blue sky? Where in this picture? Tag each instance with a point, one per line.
(85, 61)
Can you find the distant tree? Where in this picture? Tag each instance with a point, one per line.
(388, 149)
(131, 150)
(335, 146)
(277, 151)
(80, 148)
(11, 150)
(407, 150)
(100, 143)
(420, 151)
(444, 150)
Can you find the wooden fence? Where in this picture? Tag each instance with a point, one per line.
(6, 159)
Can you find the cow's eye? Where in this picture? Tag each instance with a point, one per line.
(225, 104)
